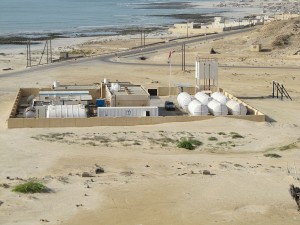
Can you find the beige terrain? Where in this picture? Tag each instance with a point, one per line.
(148, 179)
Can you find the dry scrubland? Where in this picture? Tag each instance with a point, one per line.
(147, 178)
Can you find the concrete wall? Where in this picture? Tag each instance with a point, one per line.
(13, 111)
(251, 110)
(164, 91)
(116, 121)
(196, 31)
(255, 116)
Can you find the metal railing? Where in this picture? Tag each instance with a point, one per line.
(280, 91)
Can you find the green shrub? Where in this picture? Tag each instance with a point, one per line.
(31, 187)
(212, 139)
(185, 144)
(287, 147)
(272, 155)
(221, 133)
(235, 136)
(189, 144)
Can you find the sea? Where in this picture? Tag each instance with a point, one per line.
(74, 18)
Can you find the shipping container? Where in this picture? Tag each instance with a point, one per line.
(127, 111)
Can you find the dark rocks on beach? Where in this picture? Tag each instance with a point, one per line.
(86, 174)
(196, 17)
(164, 5)
(99, 170)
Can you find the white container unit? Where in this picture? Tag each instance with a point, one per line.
(236, 108)
(197, 109)
(184, 100)
(115, 87)
(127, 111)
(216, 108)
(220, 97)
(66, 111)
(203, 98)
(56, 84)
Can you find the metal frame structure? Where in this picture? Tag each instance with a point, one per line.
(207, 72)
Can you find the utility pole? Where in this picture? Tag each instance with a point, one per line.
(28, 53)
(143, 38)
(47, 51)
(187, 29)
(183, 57)
(51, 60)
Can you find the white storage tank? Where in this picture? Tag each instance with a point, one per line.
(203, 98)
(197, 109)
(66, 111)
(30, 112)
(216, 108)
(236, 108)
(219, 97)
(184, 100)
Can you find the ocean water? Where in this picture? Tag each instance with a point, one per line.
(90, 17)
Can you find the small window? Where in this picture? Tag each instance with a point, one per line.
(147, 113)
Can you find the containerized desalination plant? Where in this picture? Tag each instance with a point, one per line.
(66, 111)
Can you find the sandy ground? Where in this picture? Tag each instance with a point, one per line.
(147, 179)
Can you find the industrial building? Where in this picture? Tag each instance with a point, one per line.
(126, 94)
(126, 104)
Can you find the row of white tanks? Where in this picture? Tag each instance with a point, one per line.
(217, 104)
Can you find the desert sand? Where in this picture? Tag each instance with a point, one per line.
(147, 179)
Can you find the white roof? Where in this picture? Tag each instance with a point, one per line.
(64, 92)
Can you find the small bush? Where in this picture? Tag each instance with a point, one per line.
(221, 133)
(212, 139)
(31, 187)
(272, 155)
(287, 147)
(235, 136)
(195, 142)
(223, 143)
(136, 143)
(185, 144)
(281, 40)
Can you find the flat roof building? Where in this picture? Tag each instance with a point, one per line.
(126, 94)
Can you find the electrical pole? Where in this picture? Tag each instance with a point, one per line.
(51, 60)
(187, 29)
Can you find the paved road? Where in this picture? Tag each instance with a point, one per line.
(107, 58)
